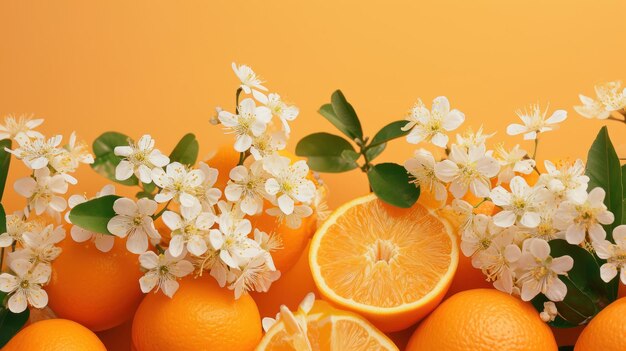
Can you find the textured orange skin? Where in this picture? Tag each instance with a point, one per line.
(483, 320)
(55, 335)
(98, 290)
(606, 331)
(200, 316)
(289, 290)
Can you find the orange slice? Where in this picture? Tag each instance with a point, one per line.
(388, 264)
(316, 326)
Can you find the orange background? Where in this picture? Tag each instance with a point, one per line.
(161, 67)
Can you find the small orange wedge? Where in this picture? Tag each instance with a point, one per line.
(388, 264)
(317, 326)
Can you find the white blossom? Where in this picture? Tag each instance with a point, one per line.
(566, 182)
(16, 226)
(178, 183)
(192, 230)
(250, 83)
(253, 275)
(497, 260)
(286, 113)
(523, 204)
(39, 244)
(162, 272)
(471, 138)
(611, 97)
(513, 162)
(206, 193)
(24, 287)
(432, 126)
(535, 122)
(549, 312)
(43, 191)
(540, 271)
(422, 168)
(37, 153)
(21, 126)
(134, 220)
(578, 219)
(139, 159)
(251, 121)
(288, 183)
(614, 254)
(465, 169)
(247, 187)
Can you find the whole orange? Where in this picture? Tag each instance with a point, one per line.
(200, 316)
(606, 331)
(96, 289)
(55, 335)
(483, 320)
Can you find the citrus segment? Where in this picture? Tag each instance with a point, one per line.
(391, 265)
(323, 328)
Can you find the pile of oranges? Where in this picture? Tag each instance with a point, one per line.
(383, 286)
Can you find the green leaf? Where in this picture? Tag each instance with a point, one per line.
(105, 159)
(566, 348)
(389, 132)
(325, 153)
(186, 151)
(390, 182)
(94, 215)
(3, 220)
(372, 152)
(342, 115)
(10, 323)
(5, 161)
(624, 195)
(604, 170)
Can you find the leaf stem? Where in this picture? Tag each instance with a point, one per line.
(481, 202)
(1, 258)
(159, 249)
(535, 151)
(160, 213)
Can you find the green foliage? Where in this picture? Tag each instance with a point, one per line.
(325, 153)
(334, 154)
(389, 132)
(5, 161)
(390, 182)
(94, 215)
(604, 170)
(10, 323)
(342, 115)
(105, 160)
(186, 151)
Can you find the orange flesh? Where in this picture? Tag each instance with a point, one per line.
(384, 256)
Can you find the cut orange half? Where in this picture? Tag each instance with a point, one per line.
(317, 326)
(389, 264)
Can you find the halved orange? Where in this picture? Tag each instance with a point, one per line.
(317, 326)
(389, 264)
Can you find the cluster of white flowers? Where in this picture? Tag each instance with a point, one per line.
(611, 97)
(31, 239)
(510, 245)
(209, 232)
